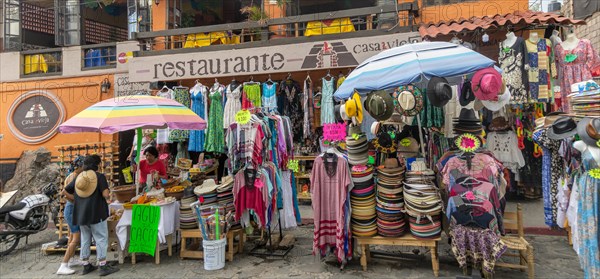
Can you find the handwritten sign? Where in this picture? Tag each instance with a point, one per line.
(144, 229)
(242, 116)
(334, 131)
(293, 165)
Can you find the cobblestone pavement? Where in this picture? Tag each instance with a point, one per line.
(554, 258)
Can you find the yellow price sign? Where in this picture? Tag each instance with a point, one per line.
(242, 116)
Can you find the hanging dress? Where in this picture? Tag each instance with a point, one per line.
(540, 69)
(306, 105)
(232, 105)
(269, 98)
(162, 135)
(182, 96)
(588, 216)
(327, 114)
(215, 138)
(575, 71)
(512, 61)
(197, 137)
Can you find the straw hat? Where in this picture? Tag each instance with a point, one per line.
(208, 186)
(86, 183)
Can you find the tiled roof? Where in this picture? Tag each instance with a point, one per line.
(518, 17)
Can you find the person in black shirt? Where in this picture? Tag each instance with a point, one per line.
(90, 190)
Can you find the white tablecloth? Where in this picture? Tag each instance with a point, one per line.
(168, 224)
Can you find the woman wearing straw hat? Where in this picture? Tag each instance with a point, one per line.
(90, 191)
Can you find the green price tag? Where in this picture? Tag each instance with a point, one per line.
(570, 57)
(405, 142)
(293, 165)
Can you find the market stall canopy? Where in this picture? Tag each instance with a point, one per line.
(408, 63)
(132, 112)
(431, 30)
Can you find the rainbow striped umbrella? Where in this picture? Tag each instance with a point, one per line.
(133, 112)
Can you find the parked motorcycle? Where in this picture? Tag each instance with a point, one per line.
(29, 216)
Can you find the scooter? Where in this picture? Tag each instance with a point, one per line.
(29, 216)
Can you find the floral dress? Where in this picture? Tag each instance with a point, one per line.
(215, 136)
(588, 215)
(233, 104)
(552, 171)
(197, 137)
(182, 96)
(575, 71)
(512, 62)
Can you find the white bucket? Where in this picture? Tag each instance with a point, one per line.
(214, 253)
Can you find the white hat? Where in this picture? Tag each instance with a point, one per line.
(343, 112)
(406, 100)
(208, 186)
(497, 105)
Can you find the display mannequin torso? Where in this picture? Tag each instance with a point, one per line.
(582, 147)
(510, 40)
(570, 43)
(534, 37)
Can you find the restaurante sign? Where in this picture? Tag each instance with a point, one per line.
(273, 59)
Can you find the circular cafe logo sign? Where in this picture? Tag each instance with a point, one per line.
(34, 117)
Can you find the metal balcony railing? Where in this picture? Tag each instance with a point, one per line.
(44, 62)
(99, 56)
(363, 20)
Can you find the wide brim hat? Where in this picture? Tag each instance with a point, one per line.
(467, 115)
(86, 183)
(408, 147)
(354, 107)
(439, 91)
(391, 165)
(588, 130)
(486, 84)
(562, 128)
(502, 101)
(208, 186)
(499, 124)
(409, 100)
(466, 94)
(375, 126)
(380, 105)
(384, 143)
(539, 123)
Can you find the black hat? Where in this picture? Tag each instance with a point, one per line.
(439, 92)
(467, 115)
(562, 128)
(466, 94)
(467, 122)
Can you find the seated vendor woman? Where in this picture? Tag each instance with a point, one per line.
(151, 165)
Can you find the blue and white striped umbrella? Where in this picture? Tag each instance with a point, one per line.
(408, 63)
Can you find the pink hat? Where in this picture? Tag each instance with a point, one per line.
(486, 84)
